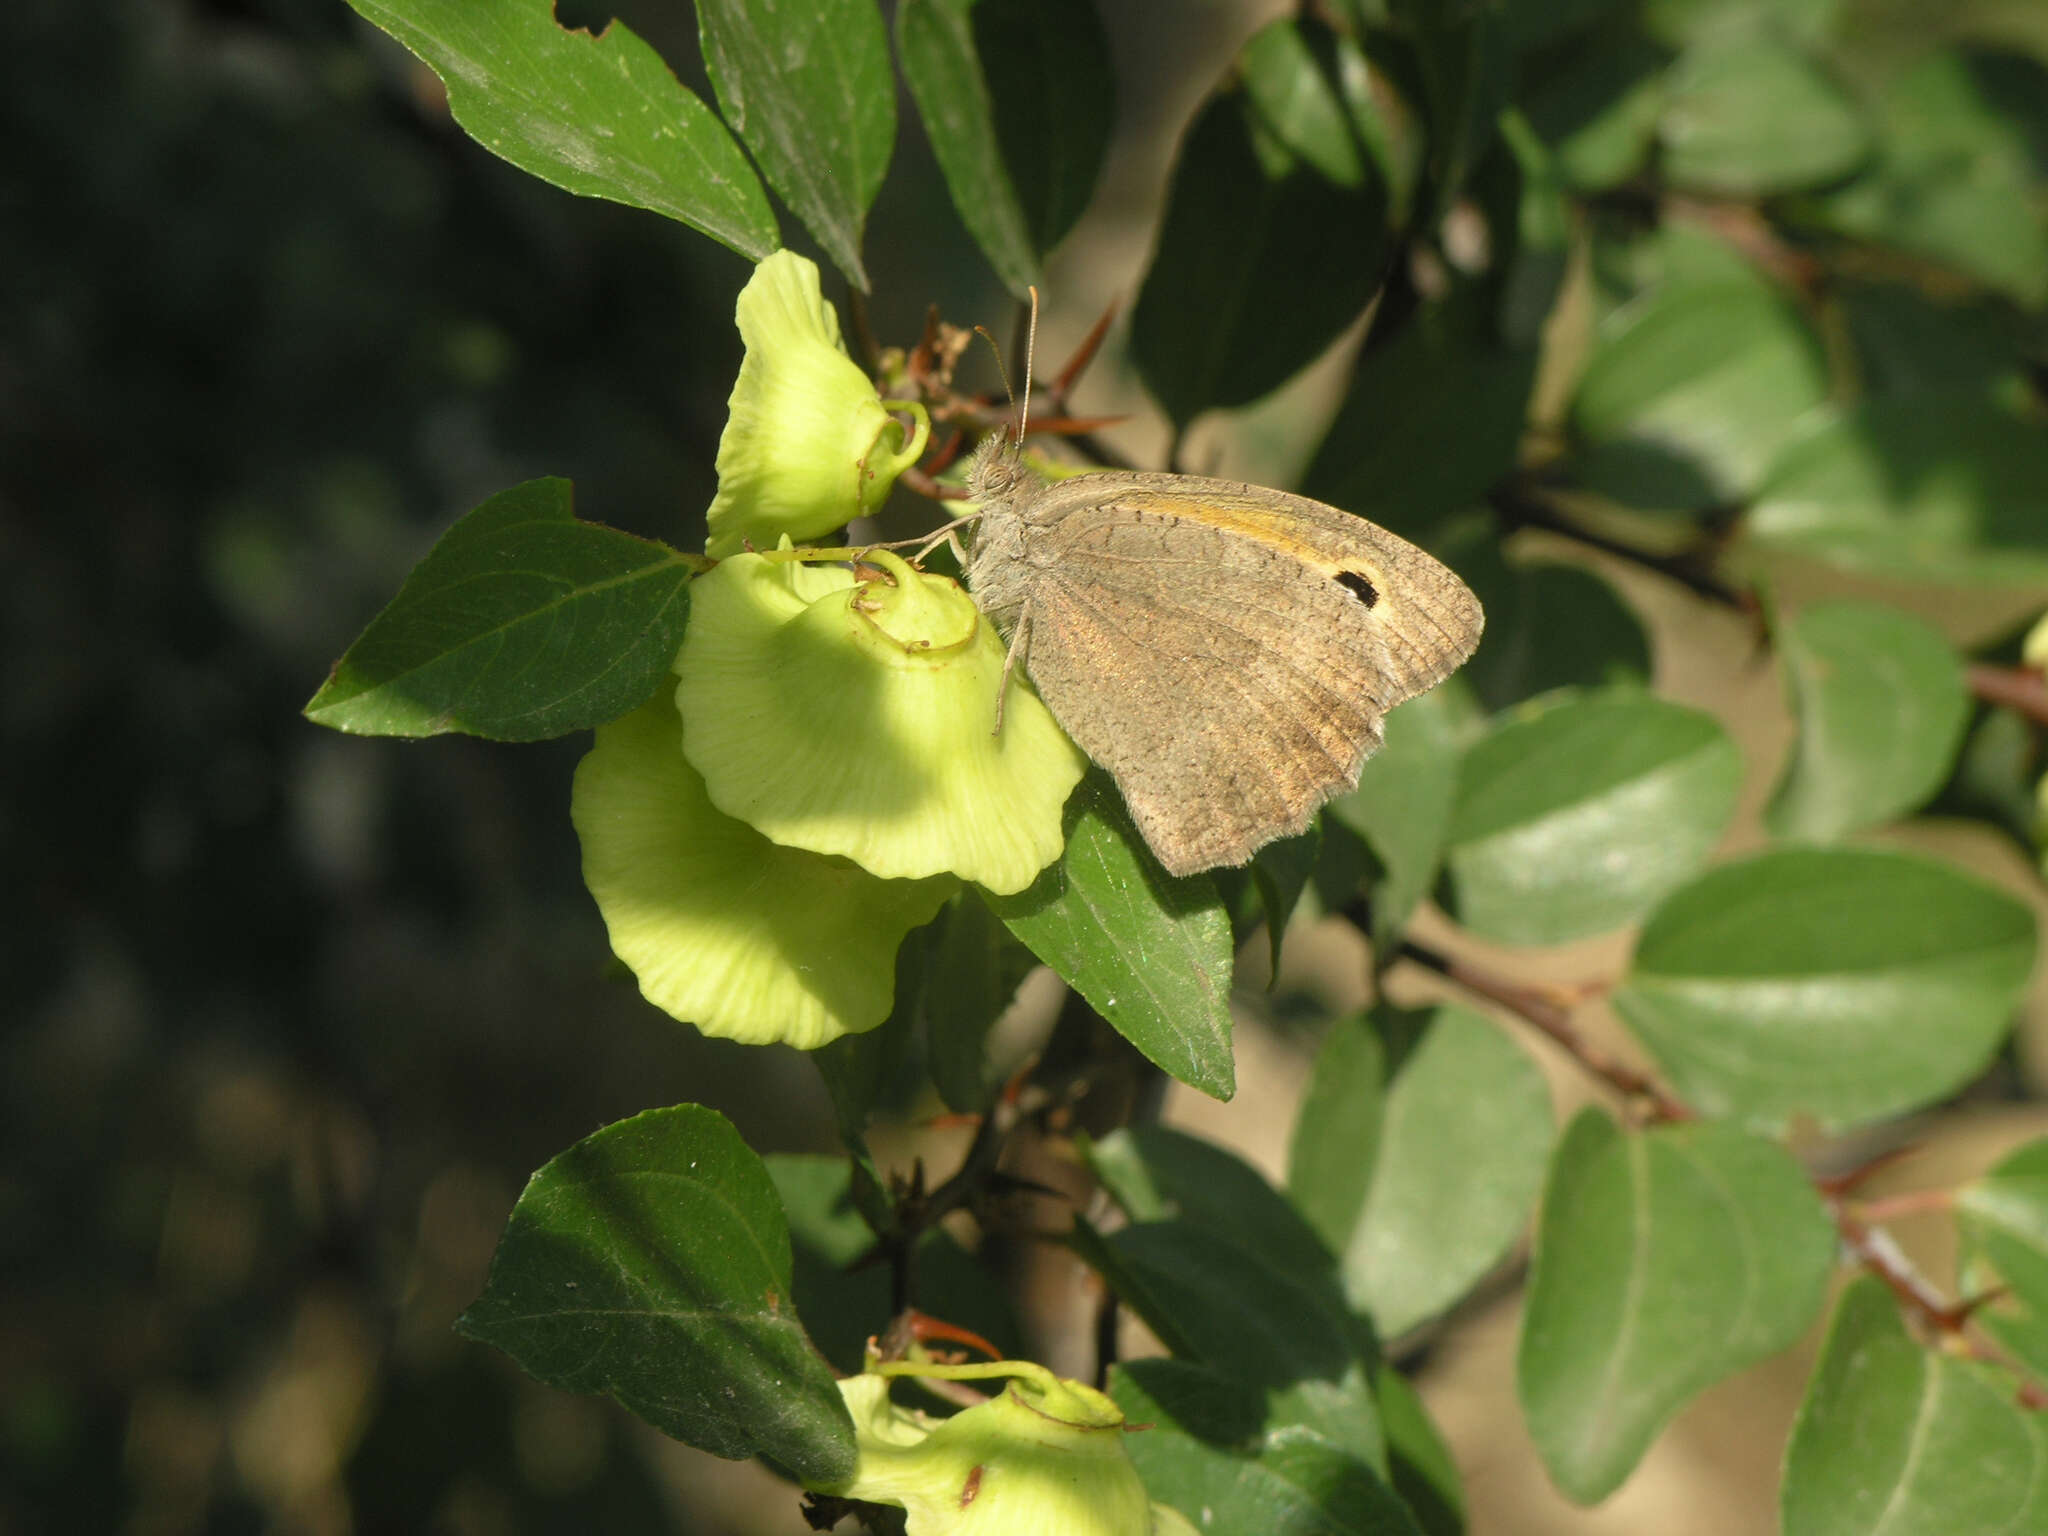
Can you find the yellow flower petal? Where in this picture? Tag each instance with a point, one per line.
(807, 446)
(856, 718)
(723, 928)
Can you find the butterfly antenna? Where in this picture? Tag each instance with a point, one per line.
(1030, 354)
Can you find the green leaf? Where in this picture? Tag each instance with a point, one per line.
(1578, 819)
(1466, 69)
(1402, 805)
(599, 116)
(1907, 342)
(520, 624)
(1750, 116)
(1939, 487)
(2003, 1217)
(1292, 73)
(1154, 1174)
(1881, 703)
(972, 970)
(1665, 1261)
(1692, 393)
(1423, 1473)
(1216, 1303)
(1336, 1141)
(1897, 1440)
(1150, 953)
(1429, 421)
(806, 84)
(1016, 99)
(1445, 1185)
(1548, 626)
(1210, 1454)
(1956, 178)
(1536, 260)
(650, 1261)
(1598, 111)
(1847, 984)
(1683, 22)
(1246, 220)
(1053, 92)
(935, 47)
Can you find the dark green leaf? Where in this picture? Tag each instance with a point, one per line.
(1665, 1261)
(1548, 626)
(843, 1297)
(1935, 488)
(1847, 984)
(1423, 1473)
(1535, 261)
(1260, 262)
(1955, 178)
(806, 84)
(1881, 704)
(1578, 819)
(1214, 1302)
(935, 47)
(1054, 96)
(973, 967)
(1598, 110)
(1898, 1440)
(1154, 1173)
(1280, 872)
(1210, 1454)
(1692, 393)
(1402, 805)
(1150, 953)
(521, 624)
(651, 1261)
(1466, 69)
(1016, 98)
(1907, 342)
(600, 116)
(1458, 1159)
(1749, 116)
(1429, 421)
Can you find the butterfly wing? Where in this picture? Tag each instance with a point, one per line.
(1228, 652)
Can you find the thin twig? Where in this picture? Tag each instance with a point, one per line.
(1543, 1011)
(2017, 688)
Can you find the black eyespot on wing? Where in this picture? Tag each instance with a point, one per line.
(1359, 587)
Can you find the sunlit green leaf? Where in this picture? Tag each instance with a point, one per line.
(1938, 487)
(1150, 953)
(1578, 819)
(1419, 1197)
(601, 116)
(1895, 1439)
(1847, 984)
(1753, 116)
(1881, 705)
(807, 86)
(521, 624)
(1665, 1261)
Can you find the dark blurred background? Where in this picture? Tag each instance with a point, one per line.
(290, 1017)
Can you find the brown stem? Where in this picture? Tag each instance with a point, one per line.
(2017, 688)
(1543, 1011)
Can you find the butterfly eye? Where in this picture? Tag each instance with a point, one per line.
(1360, 588)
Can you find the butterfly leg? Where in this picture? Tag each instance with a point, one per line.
(1019, 641)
